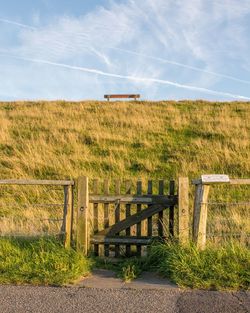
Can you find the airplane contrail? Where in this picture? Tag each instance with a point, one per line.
(129, 77)
(163, 60)
(17, 24)
(194, 68)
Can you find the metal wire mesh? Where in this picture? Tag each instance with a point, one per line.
(31, 210)
(229, 221)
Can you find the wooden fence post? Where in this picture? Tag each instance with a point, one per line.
(200, 215)
(68, 215)
(82, 227)
(183, 209)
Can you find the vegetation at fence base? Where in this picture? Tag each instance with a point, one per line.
(216, 268)
(39, 261)
(223, 267)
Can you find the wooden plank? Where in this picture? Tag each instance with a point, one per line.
(201, 242)
(132, 199)
(214, 179)
(200, 215)
(96, 215)
(128, 214)
(150, 226)
(138, 210)
(106, 215)
(196, 211)
(67, 215)
(160, 215)
(142, 240)
(132, 220)
(82, 227)
(171, 208)
(117, 212)
(36, 182)
(236, 181)
(183, 210)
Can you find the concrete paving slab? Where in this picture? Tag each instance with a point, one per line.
(149, 280)
(102, 279)
(106, 279)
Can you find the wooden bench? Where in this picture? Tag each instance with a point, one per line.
(129, 96)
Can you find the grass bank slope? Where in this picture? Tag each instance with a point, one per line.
(167, 139)
(40, 261)
(128, 139)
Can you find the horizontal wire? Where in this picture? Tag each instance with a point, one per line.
(228, 235)
(28, 235)
(226, 203)
(36, 205)
(28, 219)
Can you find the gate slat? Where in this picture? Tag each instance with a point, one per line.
(95, 213)
(150, 191)
(128, 213)
(117, 212)
(160, 215)
(106, 214)
(138, 209)
(171, 208)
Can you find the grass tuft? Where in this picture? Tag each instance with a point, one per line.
(223, 267)
(39, 261)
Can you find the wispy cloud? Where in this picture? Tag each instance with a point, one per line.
(85, 37)
(182, 44)
(133, 78)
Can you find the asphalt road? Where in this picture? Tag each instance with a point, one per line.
(25, 299)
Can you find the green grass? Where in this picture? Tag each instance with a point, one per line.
(126, 269)
(217, 267)
(224, 267)
(40, 261)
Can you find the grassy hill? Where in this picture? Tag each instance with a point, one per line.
(144, 140)
(128, 139)
(57, 140)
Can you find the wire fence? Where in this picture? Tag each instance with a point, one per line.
(228, 221)
(29, 211)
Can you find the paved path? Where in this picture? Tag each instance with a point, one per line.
(149, 294)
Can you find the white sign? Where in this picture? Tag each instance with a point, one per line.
(215, 178)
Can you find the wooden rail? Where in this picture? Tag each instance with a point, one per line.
(233, 181)
(36, 182)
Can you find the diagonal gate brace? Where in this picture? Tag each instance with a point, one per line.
(133, 219)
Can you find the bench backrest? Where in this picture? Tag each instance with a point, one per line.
(134, 96)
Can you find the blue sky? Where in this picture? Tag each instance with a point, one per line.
(162, 49)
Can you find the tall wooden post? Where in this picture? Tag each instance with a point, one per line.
(82, 227)
(183, 210)
(68, 215)
(200, 215)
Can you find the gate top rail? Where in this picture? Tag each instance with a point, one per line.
(136, 199)
(36, 182)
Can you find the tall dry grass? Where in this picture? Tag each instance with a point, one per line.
(144, 140)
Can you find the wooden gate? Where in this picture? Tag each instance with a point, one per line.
(119, 218)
